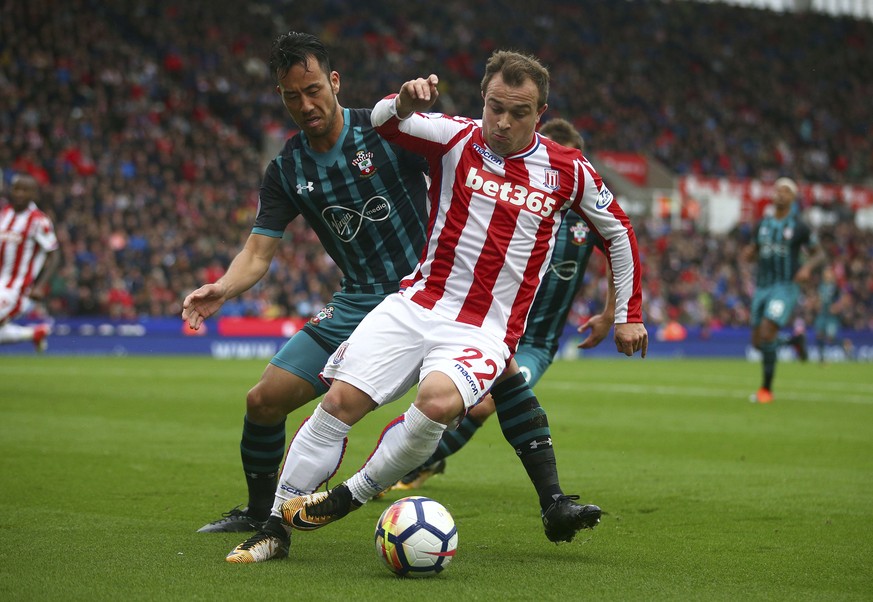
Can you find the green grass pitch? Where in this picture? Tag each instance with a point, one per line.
(109, 465)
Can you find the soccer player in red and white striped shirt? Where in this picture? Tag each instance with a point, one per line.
(27, 261)
(497, 193)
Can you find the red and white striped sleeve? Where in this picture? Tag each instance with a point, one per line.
(44, 233)
(428, 134)
(597, 205)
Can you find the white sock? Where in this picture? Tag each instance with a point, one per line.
(405, 444)
(14, 333)
(313, 457)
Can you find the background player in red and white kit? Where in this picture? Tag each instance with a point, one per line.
(27, 261)
(496, 196)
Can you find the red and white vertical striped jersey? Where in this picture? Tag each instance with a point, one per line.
(493, 221)
(26, 238)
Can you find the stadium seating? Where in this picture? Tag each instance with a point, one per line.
(146, 123)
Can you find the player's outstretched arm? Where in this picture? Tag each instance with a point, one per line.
(600, 324)
(631, 337)
(247, 268)
(416, 95)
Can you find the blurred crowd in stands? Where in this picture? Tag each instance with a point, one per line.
(146, 124)
(700, 280)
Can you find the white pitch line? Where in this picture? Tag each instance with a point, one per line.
(185, 373)
(797, 384)
(662, 390)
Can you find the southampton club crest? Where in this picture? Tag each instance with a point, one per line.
(364, 162)
(326, 313)
(580, 233)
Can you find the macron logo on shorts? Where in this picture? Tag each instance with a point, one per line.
(470, 380)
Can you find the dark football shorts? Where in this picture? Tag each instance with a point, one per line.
(307, 351)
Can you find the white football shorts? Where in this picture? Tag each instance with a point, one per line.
(399, 343)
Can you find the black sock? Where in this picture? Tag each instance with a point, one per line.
(526, 427)
(262, 449)
(768, 352)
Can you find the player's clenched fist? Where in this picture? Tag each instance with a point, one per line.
(630, 338)
(417, 95)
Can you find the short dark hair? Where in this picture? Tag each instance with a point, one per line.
(515, 69)
(563, 132)
(295, 48)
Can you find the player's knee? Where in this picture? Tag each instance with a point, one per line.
(332, 402)
(347, 403)
(766, 333)
(276, 395)
(766, 340)
(439, 399)
(443, 409)
(262, 408)
(267, 406)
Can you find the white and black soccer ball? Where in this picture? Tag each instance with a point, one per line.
(416, 537)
